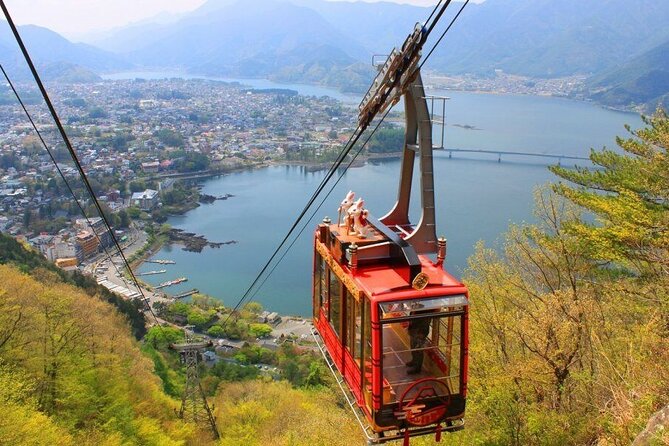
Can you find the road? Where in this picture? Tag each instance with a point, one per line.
(113, 272)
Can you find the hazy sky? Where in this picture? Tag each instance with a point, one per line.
(77, 17)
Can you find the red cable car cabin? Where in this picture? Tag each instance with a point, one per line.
(393, 323)
(395, 326)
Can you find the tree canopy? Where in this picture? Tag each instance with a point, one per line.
(628, 192)
(570, 339)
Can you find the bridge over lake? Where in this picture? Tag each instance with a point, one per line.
(499, 154)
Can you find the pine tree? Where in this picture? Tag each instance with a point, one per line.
(629, 194)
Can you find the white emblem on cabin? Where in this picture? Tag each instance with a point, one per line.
(343, 209)
(359, 214)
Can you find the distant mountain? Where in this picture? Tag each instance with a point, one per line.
(242, 41)
(61, 59)
(643, 82)
(545, 38)
(331, 41)
(279, 40)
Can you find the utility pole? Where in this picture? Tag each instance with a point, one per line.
(194, 407)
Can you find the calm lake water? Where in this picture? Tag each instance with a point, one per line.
(477, 197)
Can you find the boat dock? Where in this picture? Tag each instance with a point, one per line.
(170, 283)
(151, 273)
(161, 262)
(187, 293)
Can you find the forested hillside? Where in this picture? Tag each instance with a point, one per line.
(570, 316)
(643, 81)
(71, 373)
(30, 261)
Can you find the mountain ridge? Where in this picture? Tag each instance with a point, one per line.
(643, 81)
(331, 43)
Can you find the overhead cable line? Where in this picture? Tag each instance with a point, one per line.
(436, 19)
(361, 148)
(320, 205)
(70, 148)
(444, 33)
(338, 162)
(55, 163)
(433, 11)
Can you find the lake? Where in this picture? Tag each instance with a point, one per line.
(477, 197)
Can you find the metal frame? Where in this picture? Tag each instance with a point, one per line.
(418, 140)
(370, 436)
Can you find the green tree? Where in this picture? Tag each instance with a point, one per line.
(161, 337)
(170, 138)
(198, 319)
(260, 330)
(629, 194)
(253, 307)
(137, 186)
(216, 331)
(27, 218)
(124, 218)
(134, 212)
(387, 140)
(179, 308)
(315, 378)
(97, 112)
(205, 302)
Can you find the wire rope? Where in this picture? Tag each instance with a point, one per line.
(70, 148)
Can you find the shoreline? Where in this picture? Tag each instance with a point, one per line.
(352, 98)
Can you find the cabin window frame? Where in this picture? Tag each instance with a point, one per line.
(319, 272)
(366, 352)
(434, 334)
(335, 303)
(353, 330)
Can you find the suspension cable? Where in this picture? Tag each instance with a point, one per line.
(338, 163)
(433, 11)
(58, 169)
(70, 149)
(358, 153)
(320, 205)
(444, 33)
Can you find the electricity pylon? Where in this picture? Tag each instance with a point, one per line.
(194, 407)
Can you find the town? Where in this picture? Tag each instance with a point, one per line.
(136, 140)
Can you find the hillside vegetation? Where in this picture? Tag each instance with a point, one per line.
(570, 316)
(643, 82)
(29, 261)
(71, 373)
(257, 413)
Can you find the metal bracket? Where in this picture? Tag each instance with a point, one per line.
(423, 236)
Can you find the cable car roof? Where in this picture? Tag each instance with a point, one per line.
(383, 282)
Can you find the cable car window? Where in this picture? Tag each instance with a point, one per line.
(424, 345)
(319, 276)
(367, 353)
(357, 327)
(404, 308)
(353, 326)
(335, 303)
(325, 301)
(448, 342)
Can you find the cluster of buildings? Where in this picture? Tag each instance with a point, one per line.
(128, 130)
(69, 247)
(501, 82)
